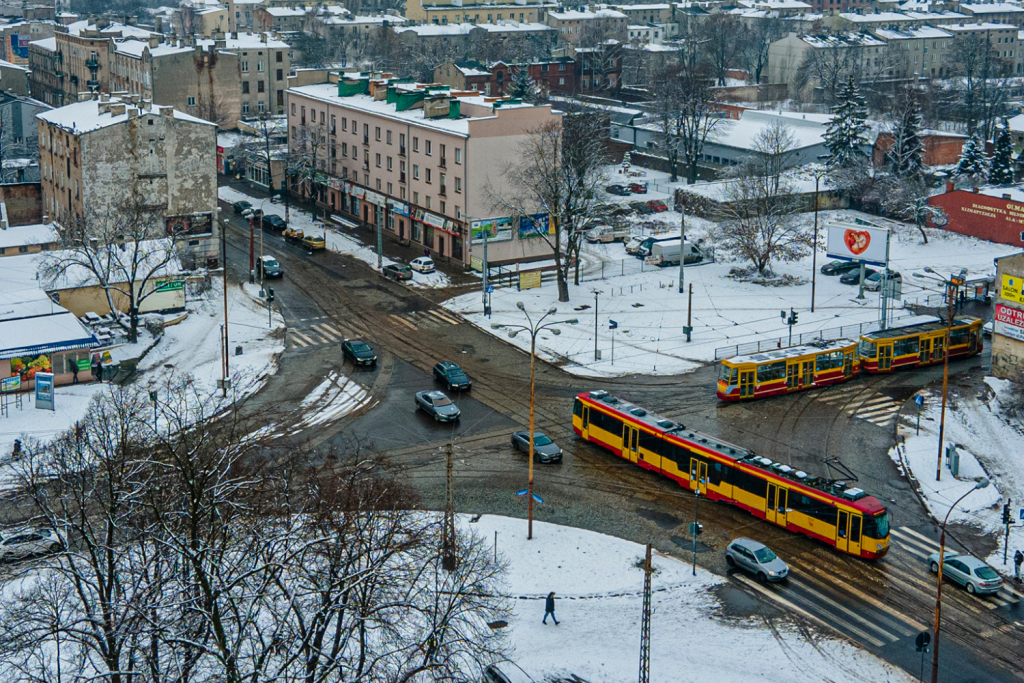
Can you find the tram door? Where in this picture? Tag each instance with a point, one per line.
(884, 356)
(973, 342)
(938, 347)
(925, 352)
(630, 442)
(792, 375)
(848, 532)
(698, 475)
(775, 504)
(585, 429)
(847, 364)
(807, 378)
(746, 383)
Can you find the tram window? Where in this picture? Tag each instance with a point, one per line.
(717, 472)
(750, 483)
(868, 349)
(905, 347)
(771, 371)
(727, 375)
(605, 422)
(958, 337)
(828, 361)
(577, 408)
(877, 526)
(812, 507)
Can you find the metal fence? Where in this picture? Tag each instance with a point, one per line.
(631, 266)
(844, 332)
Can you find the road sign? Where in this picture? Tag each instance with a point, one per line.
(923, 640)
(490, 289)
(612, 325)
(1022, 514)
(523, 492)
(537, 498)
(919, 400)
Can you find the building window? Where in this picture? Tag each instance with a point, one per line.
(245, 87)
(426, 145)
(378, 160)
(458, 184)
(191, 101)
(389, 163)
(428, 201)
(428, 175)
(279, 58)
(245, 66)
(389, 137)
(443, 207)
(458, 155)
(401, 192)
(390, 189)
(344, 123)
(259, 66)
(261, 106)
(293, 109)
(260, 86)
(415, 172)
(378, 183)
(376, 133)
(344, 149)
(280, 75)
(245, 107)
(415, 197)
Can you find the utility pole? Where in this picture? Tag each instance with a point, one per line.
(645, 623)
(682, 250)
(448, 528)
(485, 271)
(814, 249)
(379, 215)
(950, 295)
(252, 250)
(1007, 521)
(688, 330)
(597, 293)
(224, 265)
(695, 528)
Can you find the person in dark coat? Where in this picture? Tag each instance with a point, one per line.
(549, 608)
(74, 372)
(97, 369)
(1018, 560)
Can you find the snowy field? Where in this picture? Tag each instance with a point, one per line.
(598, 581)
(335, 240)
(650, 312)
(990, 446)
(334, 398)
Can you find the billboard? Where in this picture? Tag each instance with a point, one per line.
(496, 230)
(1012, 289)
(44, 391)
(26, 367)
(858, 242)
(1009, 322)
(536, 225)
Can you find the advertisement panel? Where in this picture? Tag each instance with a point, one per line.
(435, 221)
(529, 279)
(536, 225)
(26, 367)
(399, 208)
(10, 384)
(19, 45)
(1009, 322)
(856, 242)
(1012, 289)
(496, 229)
(189, 224)
(44, 391)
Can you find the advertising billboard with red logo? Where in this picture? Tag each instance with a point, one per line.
(859, 242)
(1009, 322)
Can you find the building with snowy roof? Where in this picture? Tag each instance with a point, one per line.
(573, 24)
(468, 11)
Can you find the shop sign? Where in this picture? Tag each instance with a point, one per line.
(10, 384)
(399, 208)
(1009, 322)
(431, 219)
(495, 229)
(170, 286)
(374, 198)
(355, 190)
(1012, 289)
(26, 367)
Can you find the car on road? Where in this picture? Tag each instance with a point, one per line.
(873, 282)
(634, 242)
(438, 405)
(544, 449)
(293, 235)
(657, 206)
(638, 188)
(29, 542)
(839, 267)
(359, 352)
(618, 190)
(853, 277)
(423, 264)
(253, 214)
(505, 672)
(268, 266)
(276, 199)
(452, 376)
(756, 558)
(986, 329)
(397, 271)
(314, 242)
(968, 571)
(241, 207)
(273, 222)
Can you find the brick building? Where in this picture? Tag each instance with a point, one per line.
(940, 147)
(552, 75)
(995, 214)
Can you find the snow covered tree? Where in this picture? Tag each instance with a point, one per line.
(844, 134)
(1001, 167)
(906, 156)
(972, 165)
(523, 87)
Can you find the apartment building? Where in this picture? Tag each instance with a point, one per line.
(459, 11)
(16, 37)
(574, 25)
(994, 12)
(94, 153)
(419, 161)
(241, 14)
(651, 13)
(552, 75)
(912, 52)
(1003, 41)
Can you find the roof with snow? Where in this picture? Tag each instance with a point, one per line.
(911, 32)
(991, 8)
(48, 44)
(245, 41)
(849, 39)
(980, 26)
(807, 130)
(136, 48)
(576, 15)
(91, 115)
(774, 4)
(27, 235)
(359, 19)
(112, 30)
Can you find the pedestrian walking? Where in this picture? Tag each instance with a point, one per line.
(549, 606)
(74, 371)
(1018, 560)
(97, 368)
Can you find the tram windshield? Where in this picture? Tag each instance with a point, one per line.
(868, 349)
(878, 526)
(727, 375)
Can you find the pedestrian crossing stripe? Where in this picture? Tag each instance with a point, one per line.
(403, 321)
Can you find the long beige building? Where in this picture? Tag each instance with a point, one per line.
(95, 153)
(457, 11)
(420, 161)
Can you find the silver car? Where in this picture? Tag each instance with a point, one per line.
(756, 558)
(544, 449)
(29, 542)
(436, 404)
(968, 571)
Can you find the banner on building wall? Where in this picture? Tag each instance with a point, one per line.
(26, 367)
(1012, 289)
(189, 224)
(496, 230)
(399, 208)
(19, 45)
(374, 198)
(537, 225)
(432, 220)
(1009, 322)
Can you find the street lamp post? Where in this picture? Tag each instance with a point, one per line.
(533, 329)
(938, 587)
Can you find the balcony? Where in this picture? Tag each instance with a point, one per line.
(401, 151)
(443, 163)
(91, 63)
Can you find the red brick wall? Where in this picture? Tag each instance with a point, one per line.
(938, 149)
(988, 218)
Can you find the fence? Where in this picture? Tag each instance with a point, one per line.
(844, 332)
(631, 266)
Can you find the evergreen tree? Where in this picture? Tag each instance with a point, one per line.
(844, 134)
(1001, 168)
(906, 156)
(972, 164)
(522, 86)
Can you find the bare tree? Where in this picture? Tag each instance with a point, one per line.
(757, 39)
(829, 68)
(722, 43)
(697, 120)
(559, 172)
(308, 158)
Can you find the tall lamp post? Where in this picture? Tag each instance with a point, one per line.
(818, 175)
(533, 328)
(952, 287)
(938, 587)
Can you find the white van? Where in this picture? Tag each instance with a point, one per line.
(667, 254)
(605, 234)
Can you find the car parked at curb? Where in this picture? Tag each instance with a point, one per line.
(273, 222)
(423, 264)
(437, 405)
(452, 376)
(638, 188)
(544, 449)
(968, 571)
(756, 558)
(617, 190)
(359, 352)
(18, 545)
(853, 277)
(314, 242)
(241, 207)
(397, 271)
(873, 282)
(839, 267)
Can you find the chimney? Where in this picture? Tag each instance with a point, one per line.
(158, 24)
(133, 112)
(116, 109)
(950, 186)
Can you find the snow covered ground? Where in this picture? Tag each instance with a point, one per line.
(331, 400)
(335, 239)
(598, 582)
(990, 445)
(650, 312)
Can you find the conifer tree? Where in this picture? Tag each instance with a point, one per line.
(972, 165)
(1001, 168)
(906, 156)
(844, 134)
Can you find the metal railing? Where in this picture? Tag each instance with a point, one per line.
(603, 270)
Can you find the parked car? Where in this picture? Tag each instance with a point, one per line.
(618, 190)
(756, 558)
(638, 188)
(657, 206)
(873, 282)
(986, 329)
(359, 352)
(641, 208)
(452, 376)
(544, 449)
(423, 264)
(253, 214)
(634, 242)
(853, 277)
(292, 235)
(606, 233)
(438, 405)
(268, 266)
(273, 222)
(276, 199)
(968, 571)
(397, 271)
(839, 267)
(29, 542)
(505, 672)
(314, 242)
(241, 207)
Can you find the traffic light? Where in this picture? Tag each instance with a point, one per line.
(1006, 514)
(794, 315)
(270, 294)
(696, 528)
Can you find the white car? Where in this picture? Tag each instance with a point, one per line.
(423, 264)
(29, 542)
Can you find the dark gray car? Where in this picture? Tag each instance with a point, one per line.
(436, 404)
(756, 558)
(544, 449)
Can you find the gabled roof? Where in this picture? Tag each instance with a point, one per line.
(88, 116)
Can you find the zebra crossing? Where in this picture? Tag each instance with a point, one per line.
(321, 330)
(867, 404)
(433, 317)
(817, 591)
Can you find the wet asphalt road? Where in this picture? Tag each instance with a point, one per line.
(880, 605)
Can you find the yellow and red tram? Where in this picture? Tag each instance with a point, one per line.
(844, 517)
(783, 371)
(919, 344)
